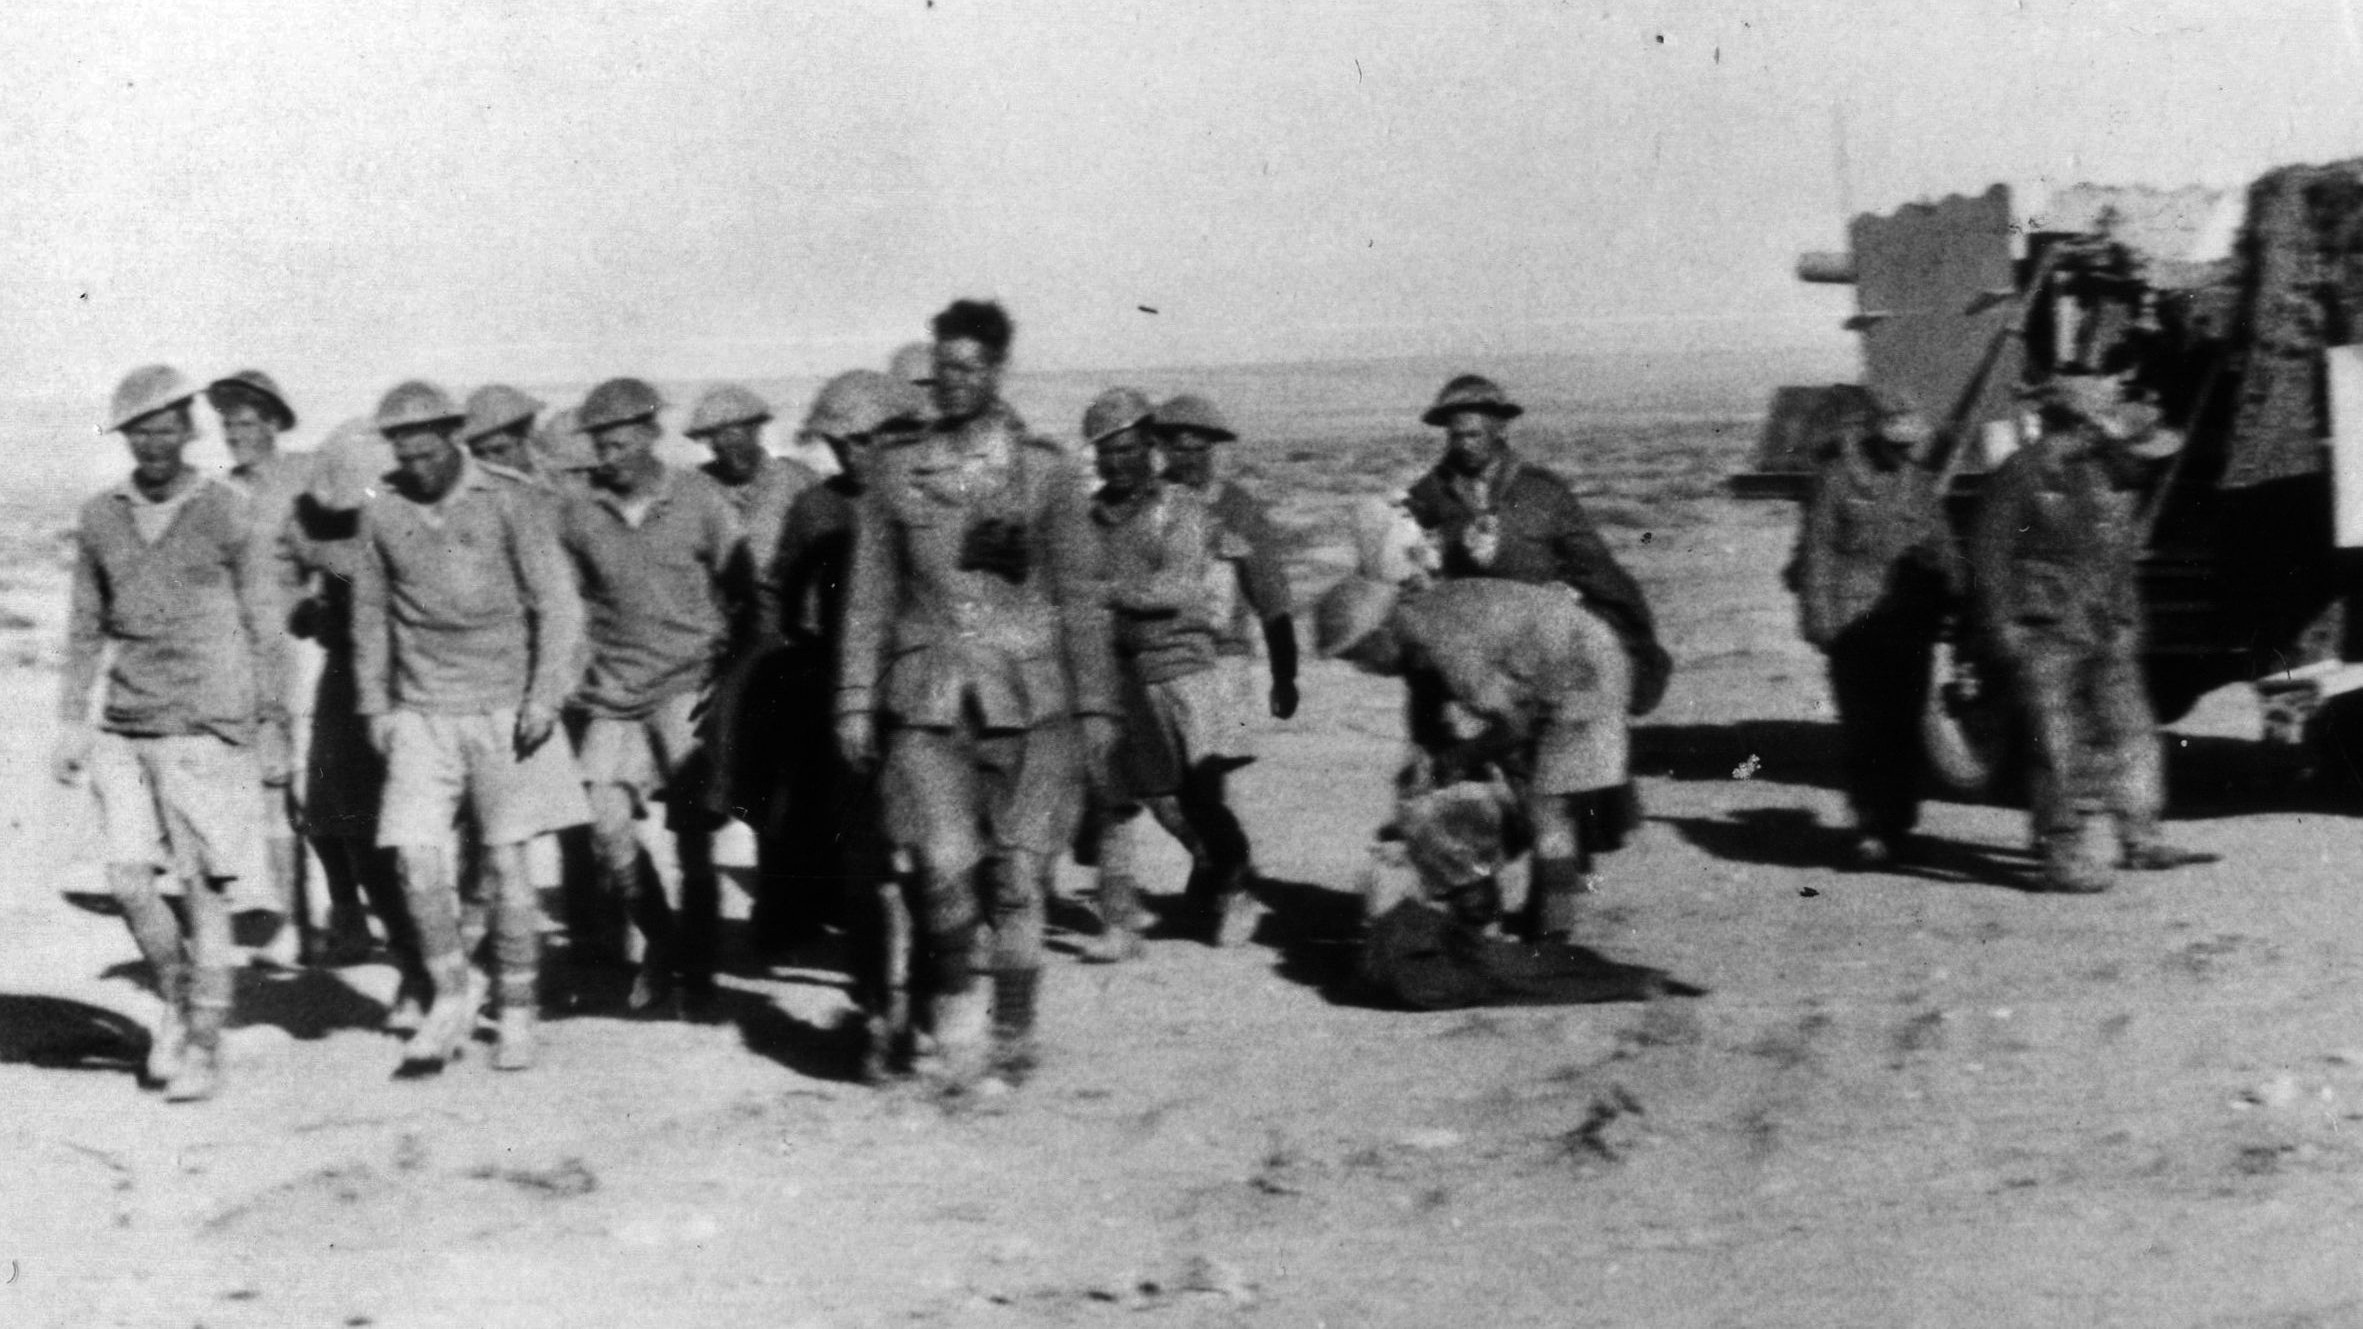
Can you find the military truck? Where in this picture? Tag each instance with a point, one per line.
(2236, 313)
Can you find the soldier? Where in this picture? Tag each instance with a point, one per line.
(1875, 571)
(663, 567)
(1175, 715)
(914, 363)
(254, 412)
(1549, 679)
(2052, 571)
(498, 430)
(466, 637)
(319, 554)
(1251, 600)
(976, 654)
(825, 815)
(168, 578)
(1494, 514)
(729, 419)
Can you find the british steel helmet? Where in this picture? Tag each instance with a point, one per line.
(414, 404)
(723, 405)
(1194, 414)
(863, 401)
(1113, 412)
(352, 462)
(1471, 392)
(256, 386)
(495, 407)
(145, 391)
(1350, 611)
(618, 401)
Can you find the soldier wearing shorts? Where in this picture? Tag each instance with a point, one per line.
(167, 572)
(1175, 714)
(976, 654)
(1548, 679)
(466, 638)
(663, 566)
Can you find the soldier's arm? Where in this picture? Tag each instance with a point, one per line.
(373, 642)
(553, 605)
(872, 584)
(86, 639)
(1079, 581)
(262, 611)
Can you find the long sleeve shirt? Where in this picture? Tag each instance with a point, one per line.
(1874, 542)
(664, 578)
(464, 605)
(190, 607)
(2055, 546)
(926, 636)
(1158, 566)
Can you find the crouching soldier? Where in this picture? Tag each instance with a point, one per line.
(1549, 680)
(2053, 562)
(1875, 572)
(466, 633)
(168, 574)
(976, 654)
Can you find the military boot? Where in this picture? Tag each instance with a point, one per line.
(1119, 938)
(443, 1035)
(1237, 913)
(171, 1034)
(198, 1077)
(513, 1048)
(960, 1022)
(1555, 894)
(2068, 867)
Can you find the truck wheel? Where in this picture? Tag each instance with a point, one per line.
(1969, 734)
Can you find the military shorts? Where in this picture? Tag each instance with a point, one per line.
(952, 793)
(437, 763)
(659, 757)
(1171, 727)
(188, 803)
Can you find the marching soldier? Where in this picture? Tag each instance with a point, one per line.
(1875, 572)
(253, 413)
(168, 573)
(832, 849)
(662, 562)
(498, 430)
(729, 419)
(1549, 679)
(2053, 559)
(1174, 744)
(466, 639)
(976, 657)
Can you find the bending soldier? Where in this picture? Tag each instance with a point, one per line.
(1875, 571)
(2053, 560)
(167, 572)
(976, 654)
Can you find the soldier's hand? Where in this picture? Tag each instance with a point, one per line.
(1099, 746)
(381, 735)
(1283, 698)
(274, 751)
(72, 757)
(857, 739)
(536, 721)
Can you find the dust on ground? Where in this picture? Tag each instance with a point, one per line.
(1928, 1098)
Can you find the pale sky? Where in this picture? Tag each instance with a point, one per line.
(561, 191)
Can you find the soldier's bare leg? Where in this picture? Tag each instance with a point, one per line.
(158, 935)
(1205, 803)
(212, 954)
(632, 884)
(289, 941)
(432, 898)
(516, 948)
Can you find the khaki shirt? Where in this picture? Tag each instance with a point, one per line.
(663, 589)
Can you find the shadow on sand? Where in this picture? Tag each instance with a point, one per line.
(61, 1034)
(1788, 837)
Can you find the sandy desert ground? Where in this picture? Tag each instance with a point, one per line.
(1908, 1099)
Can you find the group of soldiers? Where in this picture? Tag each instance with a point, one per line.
(2052, 609)
(921, 681)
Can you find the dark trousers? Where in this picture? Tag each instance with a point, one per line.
(2093, 740)
(1879, 672)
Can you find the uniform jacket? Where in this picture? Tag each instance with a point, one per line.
(1543, 536)
(1516, 654)
(193, 618)
(802, 591)
(465, 605)
(1159, 574)
(1874, 542)
(925, 637)
(661, 595)
(2055, 547)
